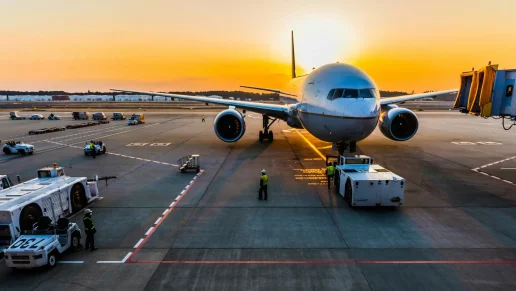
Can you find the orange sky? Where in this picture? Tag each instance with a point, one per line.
(202, 45)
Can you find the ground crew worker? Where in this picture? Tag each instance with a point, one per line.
(93, 151)
(89, 228)
(264, 181)
(330, 172)
(203, 119)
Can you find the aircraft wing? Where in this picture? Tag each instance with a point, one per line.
(273, 110)
(398, 99)
(268, 90)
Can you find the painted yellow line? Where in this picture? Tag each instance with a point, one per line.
(326, 147)
(312, 146)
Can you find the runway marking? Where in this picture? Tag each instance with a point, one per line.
(493, 176)
(150, 229)
(138, 243)
(159, 144)
(136, 144)
(115, 154)
(116, 262)
(330, 262)
(311, 145)
(158, 222)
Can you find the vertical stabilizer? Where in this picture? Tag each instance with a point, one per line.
(293, 58)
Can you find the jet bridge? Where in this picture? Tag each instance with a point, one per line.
(488, 92)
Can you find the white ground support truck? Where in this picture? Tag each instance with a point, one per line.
(42, 245)
(17, 147)
(52, 194)
(363, 183)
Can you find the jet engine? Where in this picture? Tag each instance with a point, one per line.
(229, 125)
(399, 124)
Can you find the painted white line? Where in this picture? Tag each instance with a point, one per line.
(126, 257)
(178, 196)
(165, 212)
(148, 231)
(183, 192)
(70, 262)
(109, 262)
(157, 220)
(138, 243)
(172, 204)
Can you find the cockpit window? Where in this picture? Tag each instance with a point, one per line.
(351, 93)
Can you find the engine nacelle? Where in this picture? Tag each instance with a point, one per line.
(399, 124)
(229, 125)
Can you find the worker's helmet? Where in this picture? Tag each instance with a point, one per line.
(263, 171)
(88, 211)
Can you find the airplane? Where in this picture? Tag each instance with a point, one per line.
(336, 103)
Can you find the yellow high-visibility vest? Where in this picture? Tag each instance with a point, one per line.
(331, 170)
(265, 180)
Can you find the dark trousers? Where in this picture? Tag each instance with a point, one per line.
(90, 240)
(263, 189)
(203, 120)
(94, 153)
(330, 177)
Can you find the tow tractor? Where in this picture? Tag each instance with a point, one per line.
(51, 194)
(42, 245)
(137, 118)
(362, 183)
(12, 147)
(52, 116)
(100, 148)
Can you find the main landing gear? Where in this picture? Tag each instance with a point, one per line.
(266, 133)
(343, 146)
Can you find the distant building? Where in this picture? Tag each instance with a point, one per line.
(60, 98)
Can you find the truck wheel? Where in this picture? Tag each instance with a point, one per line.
(78, 197)
(52, 260)
(348, 192)
(7, 151)
(76, 241)
(22, 152)
(29, 215)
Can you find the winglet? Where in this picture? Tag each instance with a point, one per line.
(293, 57)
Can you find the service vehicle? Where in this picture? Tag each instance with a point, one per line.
(15, 115)
(51, 194)
(42, 245)
(137, 118)
(100, 148)
(52, 116)
(17, 147)
(80, 115)
(363, 183)
(5, 182)
(99, 116)
(118, 116)
(36, 117)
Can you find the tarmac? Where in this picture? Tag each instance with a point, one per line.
(160, 229)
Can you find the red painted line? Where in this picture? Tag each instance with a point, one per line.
(348, 262)
(162, 218)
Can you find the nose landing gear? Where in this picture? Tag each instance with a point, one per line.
(266, 133)
(343, 146)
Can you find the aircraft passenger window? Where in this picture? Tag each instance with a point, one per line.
(338, 93)
(508, 92)
(330, 95)
(351, 93)
(366, 93)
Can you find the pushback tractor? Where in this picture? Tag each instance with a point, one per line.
(362, 183)
(51, 194)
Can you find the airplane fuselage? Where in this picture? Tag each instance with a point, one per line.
(337, 103)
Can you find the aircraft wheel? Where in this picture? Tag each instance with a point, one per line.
(260, 136)
(271, 136)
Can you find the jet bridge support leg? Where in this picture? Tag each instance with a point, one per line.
(266, 133)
